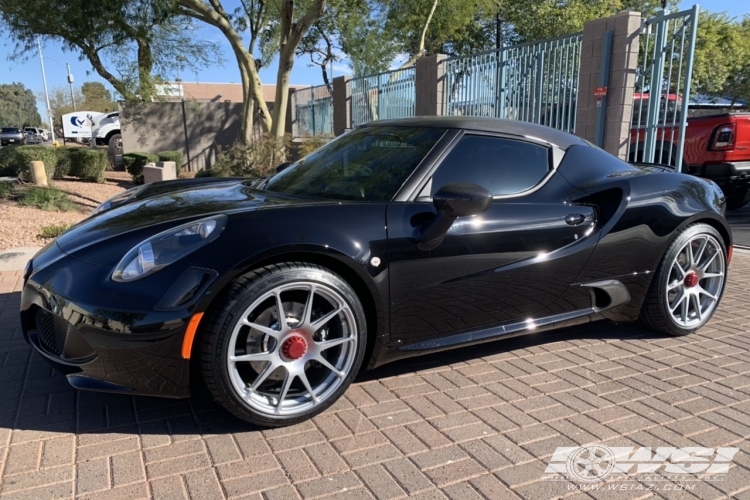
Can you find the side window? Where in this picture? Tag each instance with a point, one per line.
(503, 166)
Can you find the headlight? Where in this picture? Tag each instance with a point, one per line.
(119, 199)
(167, 247)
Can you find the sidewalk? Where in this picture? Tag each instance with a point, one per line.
(481, 422)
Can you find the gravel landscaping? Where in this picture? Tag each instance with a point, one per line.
(20, 225)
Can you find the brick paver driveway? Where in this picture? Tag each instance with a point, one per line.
(479, 422)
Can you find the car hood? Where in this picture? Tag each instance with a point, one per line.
(169, 208)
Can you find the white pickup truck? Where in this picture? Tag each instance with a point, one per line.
(104, 128)
(106, 131)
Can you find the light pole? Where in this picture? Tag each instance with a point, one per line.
(46, 95)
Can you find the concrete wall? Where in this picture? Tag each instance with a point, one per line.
(159, 126)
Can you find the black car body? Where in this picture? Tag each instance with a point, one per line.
(580, 239)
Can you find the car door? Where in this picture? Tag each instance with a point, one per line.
(514, 262)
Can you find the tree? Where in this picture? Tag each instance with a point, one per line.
(129, 44)
(282, 18)
(96, 97)
(722, 56)
(18, 106)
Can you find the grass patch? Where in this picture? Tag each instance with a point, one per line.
(50, 199)
(6, 190)
(52, 231)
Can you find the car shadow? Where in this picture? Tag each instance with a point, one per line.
(38, 399)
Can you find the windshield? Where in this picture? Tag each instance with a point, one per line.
(11, 130)
(367, 164)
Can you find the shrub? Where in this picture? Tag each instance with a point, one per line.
(52, 231)
(46, 199)
(175, 156)
(63, 162)
(134, 163)
(6, 190)
(7, 166)
(88, 164)
(256, 159)
(23, 155)
(312, 144)
(205, 173)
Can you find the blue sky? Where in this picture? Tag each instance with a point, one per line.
(29, 72)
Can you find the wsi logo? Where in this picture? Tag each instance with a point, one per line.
(77, 121)
(596, 462)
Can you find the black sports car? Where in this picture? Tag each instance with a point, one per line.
(399, 238)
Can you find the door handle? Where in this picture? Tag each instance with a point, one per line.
(575, 219)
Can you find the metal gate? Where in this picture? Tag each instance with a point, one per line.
(535, 82)
(662, 90)
(313, 112)
(386, 95)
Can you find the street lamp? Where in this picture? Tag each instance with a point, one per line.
(46, 94)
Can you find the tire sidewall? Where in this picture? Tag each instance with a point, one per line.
(234, 313)
(676, 246)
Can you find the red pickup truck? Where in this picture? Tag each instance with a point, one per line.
(717, 145)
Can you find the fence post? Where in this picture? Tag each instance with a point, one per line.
(622, 72)
(429, 80)
(341, 105)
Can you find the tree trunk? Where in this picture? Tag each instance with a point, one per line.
(281, 101)
(251, 84)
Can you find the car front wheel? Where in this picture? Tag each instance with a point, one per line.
(689, 283)
(284, 345)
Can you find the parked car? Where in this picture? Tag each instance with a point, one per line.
(37, 132)
(31, 137)
(717, 145)
(12, 135)
(399, 238)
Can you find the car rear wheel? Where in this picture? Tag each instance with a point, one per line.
(689, 283)
(285, 345)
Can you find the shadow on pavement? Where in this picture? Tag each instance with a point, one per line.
(39, 401)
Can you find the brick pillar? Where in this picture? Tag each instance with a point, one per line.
(626, 29)
(341, 105)
(429, 85)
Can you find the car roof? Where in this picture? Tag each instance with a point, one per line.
(497, 125)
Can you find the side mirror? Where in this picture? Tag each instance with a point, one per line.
(283, 166)
(457, 199)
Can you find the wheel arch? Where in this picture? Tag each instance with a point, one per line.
(712, 220)
(348, 269)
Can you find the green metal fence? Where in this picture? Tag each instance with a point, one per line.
(662, 90)
(386, 95)
(534, 82)
(313, 112)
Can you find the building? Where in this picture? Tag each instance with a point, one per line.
(214, 91)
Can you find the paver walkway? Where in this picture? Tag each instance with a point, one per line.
(481, 422)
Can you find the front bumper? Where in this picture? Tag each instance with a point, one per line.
(104, 336)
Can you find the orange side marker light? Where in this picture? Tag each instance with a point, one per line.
(187, 342)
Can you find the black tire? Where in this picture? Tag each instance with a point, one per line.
(115, 144)
(739, 198)
(655, 313)
(219, 323)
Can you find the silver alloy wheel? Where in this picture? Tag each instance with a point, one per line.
(292, 348)
(696, 279)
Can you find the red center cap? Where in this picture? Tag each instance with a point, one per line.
(294, 347)
(691, 279)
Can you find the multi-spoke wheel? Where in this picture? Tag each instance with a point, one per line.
(286, 345)
(688, 286)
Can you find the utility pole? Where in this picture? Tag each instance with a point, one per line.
(46, 95)
(70, 82)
